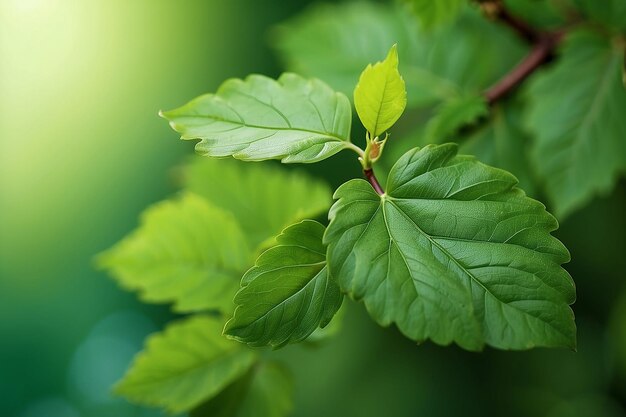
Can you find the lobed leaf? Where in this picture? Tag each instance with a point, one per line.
(266, 391)
(190, 362)
(292, 119)
(380, 95)
(263, 198)
(288, 294)
(185, 251)
(453, 252)
(576, 111)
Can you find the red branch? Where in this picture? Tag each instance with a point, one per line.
(369, 174)
(540, 53)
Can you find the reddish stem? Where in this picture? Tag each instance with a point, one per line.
(369, 174)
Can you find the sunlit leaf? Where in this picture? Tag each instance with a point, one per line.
(453, 252)
(577, 112)
(185, 251)
(190, 362)
(263, 198)
(380, 94)
(292, 119)
(266, 391)
(288, 294)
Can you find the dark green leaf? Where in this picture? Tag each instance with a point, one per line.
(292, 119)
(576, 112)
(335, 42)
(453, 114)
(288, 294)
(186, 251)
(266, 391)
(190, 362)
(453, 252)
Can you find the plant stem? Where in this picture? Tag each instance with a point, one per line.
(496, 10)
(371, 177)
(540, 53)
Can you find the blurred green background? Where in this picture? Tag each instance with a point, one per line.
(82, 153)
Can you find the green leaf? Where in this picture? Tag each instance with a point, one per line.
(454, 114)
(576, 112)
(434, 12)
(335, 43)
(453, 252)
(292, 119)
(503, 142)
(608, 12)
(185, 252)
(380, 95)
(190, 362)
(266, 391)
(288, 293)
(262, 197)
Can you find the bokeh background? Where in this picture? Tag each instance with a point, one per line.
(82, 153)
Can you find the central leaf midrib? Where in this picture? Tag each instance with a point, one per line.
(244, 124)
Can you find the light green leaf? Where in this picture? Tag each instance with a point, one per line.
(288, 293)
(453, 114)
(453, 252)
(292, 119)
(576, 112)
(190, 362)
(503, 142)
(434, 12)
(263, 198)
(380, 94)
(266, 391)
(185, 252)
(335, 43)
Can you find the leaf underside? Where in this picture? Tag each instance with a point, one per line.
(453, 252)
(288, 294)
(292, 119)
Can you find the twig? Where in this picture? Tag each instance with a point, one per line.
(496, 10)
(541, 52)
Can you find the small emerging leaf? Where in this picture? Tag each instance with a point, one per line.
(453, 252)
(190, 362)
(292, 119)
(288, 293)
(186, 251)
(380, 95)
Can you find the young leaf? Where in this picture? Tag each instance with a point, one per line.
(190, 362)
(434, 12)
(453, 252)
(186, 252)
(292, 119)
(576, 111)
(265, 200)
(453, 114)
(288, 293)
(380, 95)
(266, 391)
